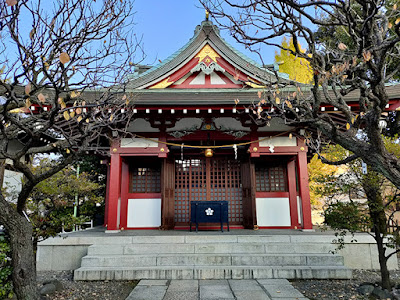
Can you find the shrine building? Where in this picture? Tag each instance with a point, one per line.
(194, 138)
(191, 141)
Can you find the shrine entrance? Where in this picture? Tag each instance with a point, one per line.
(208, 179)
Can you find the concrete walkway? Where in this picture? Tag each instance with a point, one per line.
(261, 289)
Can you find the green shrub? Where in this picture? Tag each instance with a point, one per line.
(6, 289)
(344, 216)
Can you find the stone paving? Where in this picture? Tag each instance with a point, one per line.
(261, 289)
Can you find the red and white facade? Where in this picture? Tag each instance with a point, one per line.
(185, 105)
(146, 189)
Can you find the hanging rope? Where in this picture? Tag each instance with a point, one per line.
(182, 151)
(213, 147)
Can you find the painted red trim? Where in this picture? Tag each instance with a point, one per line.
(394, 106)
(254, 148)
(107, 196)
(207, 81)
(139, 154)
(282, 149)
(185, 69)
(114, 191)
(189, 108)
(304, 189)
(208, 227)
(272, 194)
(180, 72)
(186, 82)
(277, 227)
(301, 142)
(144, 195)
(211, 86)
(231, 70)
(291, 174)
(124, 194)
(142, 228)
(227, 80)
(277, 154)
(151, 151)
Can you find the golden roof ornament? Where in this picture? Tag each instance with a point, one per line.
(207, 15)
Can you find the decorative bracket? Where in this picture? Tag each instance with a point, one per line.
(213, 66)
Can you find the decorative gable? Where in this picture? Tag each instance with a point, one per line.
(207, 69)
(206, 62)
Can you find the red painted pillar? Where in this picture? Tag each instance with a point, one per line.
(124, 195)
(291, 174)
(304, 189)
(107, 192)
(114, 191)
(254, 146)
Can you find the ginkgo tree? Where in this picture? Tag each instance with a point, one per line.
(63, 69)
(297, 68)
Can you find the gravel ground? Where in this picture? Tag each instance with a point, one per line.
(86, 290)
(119, 290)
(341, 289)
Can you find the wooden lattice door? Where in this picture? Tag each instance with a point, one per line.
(208, 179)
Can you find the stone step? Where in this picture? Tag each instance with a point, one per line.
(212, 272)
(208, 248)
(212, 260)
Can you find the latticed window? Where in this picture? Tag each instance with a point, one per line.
(271, 178)
(145, 179)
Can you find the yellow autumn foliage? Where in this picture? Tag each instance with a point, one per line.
(297, 68)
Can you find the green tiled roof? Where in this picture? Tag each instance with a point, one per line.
(204, 32)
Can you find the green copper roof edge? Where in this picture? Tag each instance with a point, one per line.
(187, 45)
(219, 90)
(169, 58)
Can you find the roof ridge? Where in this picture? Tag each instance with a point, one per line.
(203, 33)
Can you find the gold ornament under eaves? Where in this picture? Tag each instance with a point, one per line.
(207, 51)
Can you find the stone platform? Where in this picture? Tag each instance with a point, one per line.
(238, 254)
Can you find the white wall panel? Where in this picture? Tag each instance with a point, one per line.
(138, 143)
(273, 211)
(215, 79)
(199, 79)
(278, 141)
(144, 212)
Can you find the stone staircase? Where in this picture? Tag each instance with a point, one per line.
(198, 256)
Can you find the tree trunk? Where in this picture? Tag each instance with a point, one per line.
(23, 259)
(372, 188)
(385, 276)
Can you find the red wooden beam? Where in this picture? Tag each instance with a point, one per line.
(107, 193)
(280, 150)
(124, 195)
(291, 174)
(394, 105)
(114, 191)
(304, 189)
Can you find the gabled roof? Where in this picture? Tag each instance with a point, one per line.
(206, 55)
